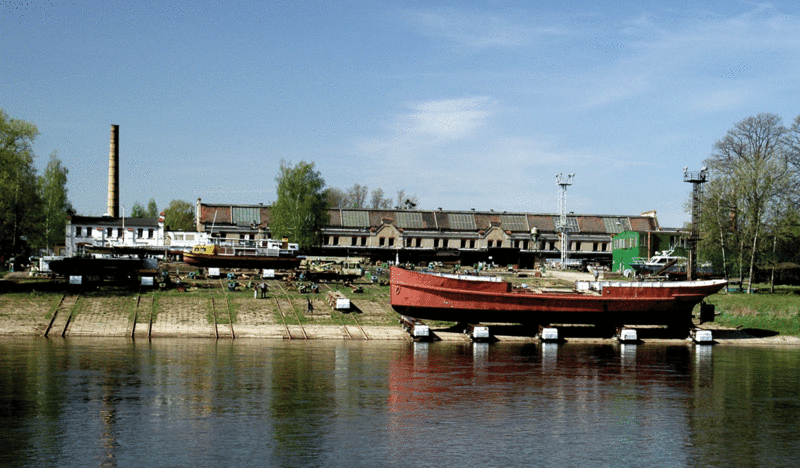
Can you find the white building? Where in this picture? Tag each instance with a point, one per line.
(185, 240)
(106, 231)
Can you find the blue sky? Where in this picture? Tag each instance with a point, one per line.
(465, 104)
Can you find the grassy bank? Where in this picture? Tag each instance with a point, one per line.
(778, 312)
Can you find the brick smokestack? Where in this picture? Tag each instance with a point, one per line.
(113, 173)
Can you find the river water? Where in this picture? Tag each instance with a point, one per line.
(201, 403)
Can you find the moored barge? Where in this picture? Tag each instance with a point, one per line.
(263, 254)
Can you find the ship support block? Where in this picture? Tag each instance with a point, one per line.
(477, 332)
(415, 328)
(626, 335)
(548, 334)
(700, 336)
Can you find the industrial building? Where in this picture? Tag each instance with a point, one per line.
(430, 235)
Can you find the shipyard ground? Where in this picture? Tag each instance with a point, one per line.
(214, 308)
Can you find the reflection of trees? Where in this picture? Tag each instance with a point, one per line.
(31, 400)
(301, 404)
(62, 391)
(749, 415)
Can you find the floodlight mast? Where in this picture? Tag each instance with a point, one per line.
(562, 210)
(697, 179)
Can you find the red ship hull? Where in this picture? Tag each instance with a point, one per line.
(476, 300)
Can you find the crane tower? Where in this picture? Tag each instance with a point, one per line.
(562, 227)
(697, 179)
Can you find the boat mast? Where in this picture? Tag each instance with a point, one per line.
(562, 222)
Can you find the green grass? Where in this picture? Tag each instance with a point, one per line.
(778, 312)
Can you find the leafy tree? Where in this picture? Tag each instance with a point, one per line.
(378, 201)
(137, 211)
(792, 147)
(357, 196)
(301, 209)
(336, 197)
(751, 160)
(56, 207)
(152, 209)
(20, 204)
(406, 202)
(179, 216)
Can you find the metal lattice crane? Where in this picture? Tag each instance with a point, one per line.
(697, 179)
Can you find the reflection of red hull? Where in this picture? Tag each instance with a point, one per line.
(480, 300)
(241, 261)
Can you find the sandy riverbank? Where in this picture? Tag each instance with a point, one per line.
(209, 309)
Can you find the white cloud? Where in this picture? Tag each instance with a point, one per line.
(476, 29)
(445, 120)
(428, 126)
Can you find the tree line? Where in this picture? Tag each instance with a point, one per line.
(178, 215)
(33, 207)
(359, 196)
(750, 220)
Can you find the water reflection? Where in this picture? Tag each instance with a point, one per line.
(205, 403)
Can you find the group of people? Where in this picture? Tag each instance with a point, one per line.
(260, 290)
